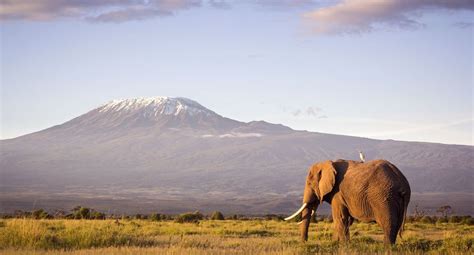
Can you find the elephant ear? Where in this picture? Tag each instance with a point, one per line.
(327, 179)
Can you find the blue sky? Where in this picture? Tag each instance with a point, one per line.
(390, 71)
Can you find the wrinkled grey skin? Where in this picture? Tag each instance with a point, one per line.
(371, 191)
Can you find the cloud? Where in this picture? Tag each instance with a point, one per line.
(359, 16)
(129, 14)
(310, 111)
(464, 24)
(234, 135)
(91, 10)
(116, 10)
(313, 111)
(220, 4)
(296, 112)
(284, 3)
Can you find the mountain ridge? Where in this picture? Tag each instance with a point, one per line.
(202, 157)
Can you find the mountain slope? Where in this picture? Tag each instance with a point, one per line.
(174, 149)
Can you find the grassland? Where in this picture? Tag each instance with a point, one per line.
(29, 236)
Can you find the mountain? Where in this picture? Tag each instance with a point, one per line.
(173, 155)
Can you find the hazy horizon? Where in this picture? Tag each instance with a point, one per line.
(401, 72)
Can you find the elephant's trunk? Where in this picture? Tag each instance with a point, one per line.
(312, 202)
(305, 220)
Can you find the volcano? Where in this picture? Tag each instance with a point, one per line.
(173, 154)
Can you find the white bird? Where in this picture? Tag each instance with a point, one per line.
(362, 157)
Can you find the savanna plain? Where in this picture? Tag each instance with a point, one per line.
(230, 236)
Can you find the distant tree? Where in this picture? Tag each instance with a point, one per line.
(468, 220)
(455, 219)
(97, 215)
(194, 217)
(21, 214)
(80, 212)
(59, 214)
(445, 210)
(217, 216)
(76, 208)
(418, 213)
(155, 217)
(40, 214)
(274, 217)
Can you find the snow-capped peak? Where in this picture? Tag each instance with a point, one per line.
(154, 106)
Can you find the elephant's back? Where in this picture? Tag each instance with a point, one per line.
(385, 179)
(392, 174)
(371, 185)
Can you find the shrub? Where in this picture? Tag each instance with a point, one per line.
(455, 219)
(217, 216)
(468, 221)
(442, 220)
(426, 219)
(80, 212)
(155, 217)
(97, 216)
(189, 217)
(273, 217)
(40, 214)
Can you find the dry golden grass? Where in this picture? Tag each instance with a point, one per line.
(27, 236)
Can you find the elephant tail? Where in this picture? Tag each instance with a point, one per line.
(404, 207)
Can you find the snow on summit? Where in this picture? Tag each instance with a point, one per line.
(154, 106)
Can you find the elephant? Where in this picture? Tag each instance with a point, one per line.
(367, 191)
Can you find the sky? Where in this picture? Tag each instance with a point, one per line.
(399, 70)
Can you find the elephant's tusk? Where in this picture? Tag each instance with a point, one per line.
(297, 212)
(312, 213)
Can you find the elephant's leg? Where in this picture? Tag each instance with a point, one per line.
(342, 220)
(387, 216)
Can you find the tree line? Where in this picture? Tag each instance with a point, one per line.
(81, 212)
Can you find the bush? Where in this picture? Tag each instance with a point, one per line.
(83, 213)
(40, 214)
(155, 217)
(97, 216)
(455, 219)
(273, 217)
(468, 221)
(217, 216)
(194, 217)
(442, 220)
(426, 219)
